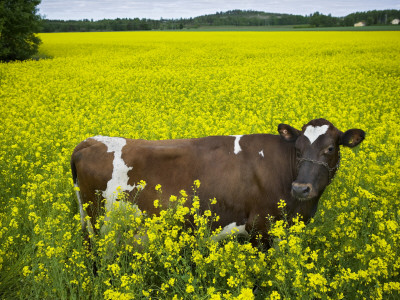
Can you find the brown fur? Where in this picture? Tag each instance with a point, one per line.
(246, 185)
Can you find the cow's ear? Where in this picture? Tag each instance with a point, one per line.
(352, 137)
(288, 133)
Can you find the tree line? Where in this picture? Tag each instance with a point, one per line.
(229, 18)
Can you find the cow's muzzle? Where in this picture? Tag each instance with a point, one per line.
(302, 191)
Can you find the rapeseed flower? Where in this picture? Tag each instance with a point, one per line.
(162, 85)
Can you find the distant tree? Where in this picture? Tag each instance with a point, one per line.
(316, 19)
(19, 22)
(370, 20)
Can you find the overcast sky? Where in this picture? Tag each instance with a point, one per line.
(167, 9)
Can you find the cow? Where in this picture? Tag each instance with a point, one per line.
(247, 174)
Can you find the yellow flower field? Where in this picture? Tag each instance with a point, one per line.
(162, 85)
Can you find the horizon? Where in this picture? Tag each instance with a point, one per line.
(177, 9)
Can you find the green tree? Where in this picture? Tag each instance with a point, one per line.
(316, 19)
(19, 21)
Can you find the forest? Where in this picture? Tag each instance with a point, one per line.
(229, 18)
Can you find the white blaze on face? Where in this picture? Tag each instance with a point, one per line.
(261, 153)
(312, 133)
(119, 178)
(232, 228)
(237, 148)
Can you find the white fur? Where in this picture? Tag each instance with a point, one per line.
(313, 133)
(232, 228)
(119, 178)
(237, 147)
(261, 153)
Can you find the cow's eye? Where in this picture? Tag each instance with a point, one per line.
(330, 149)
(298, 153)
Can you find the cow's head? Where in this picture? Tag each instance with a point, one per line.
(318, 154)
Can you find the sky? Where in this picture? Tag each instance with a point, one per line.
(174, 9)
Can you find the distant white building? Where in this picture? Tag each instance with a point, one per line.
(360, 24)
(396, 22)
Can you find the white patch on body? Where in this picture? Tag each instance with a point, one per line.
(312, 133)
(261, 153)
(237, 148)
(230, 229)
(119, 177)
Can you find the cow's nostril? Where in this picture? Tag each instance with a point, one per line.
(301, 190)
